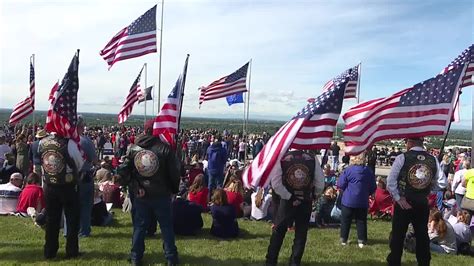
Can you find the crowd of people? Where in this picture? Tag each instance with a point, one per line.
(205, 176)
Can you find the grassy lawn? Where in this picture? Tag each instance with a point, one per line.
(21, 243)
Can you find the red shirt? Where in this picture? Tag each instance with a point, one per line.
(31, 195)
(200, 197)
(235, 199)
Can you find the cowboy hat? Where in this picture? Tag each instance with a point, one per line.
(41, 134)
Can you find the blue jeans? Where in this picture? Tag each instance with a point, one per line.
(439, 200)
(215, 180)
(142, 209)
(86, 199)
(437, 248)
(335, 162)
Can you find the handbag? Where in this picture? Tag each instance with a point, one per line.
(467, 204)
(336, 212)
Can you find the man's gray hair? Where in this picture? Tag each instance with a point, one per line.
(16, 176)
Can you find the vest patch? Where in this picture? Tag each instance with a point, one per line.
(146, 162)
(420, 175)
(53, 162)
(298, 176)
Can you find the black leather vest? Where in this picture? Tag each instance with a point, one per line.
(298, 173)
(416, 176)
(55, 161)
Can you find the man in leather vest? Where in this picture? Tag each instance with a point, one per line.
(151, 170)
(60, 159)
(300, 180)
(413, 175)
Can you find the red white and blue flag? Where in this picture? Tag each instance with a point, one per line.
(137, 39)
(351, 85)
(229, 85)
(312, 128)
(132, 98)
(62, 115)
(166, 124)
(27, 106)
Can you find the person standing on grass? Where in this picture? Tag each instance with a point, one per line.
(413, 175)
(61, 160)
(300, 180)
(217, 157)
(151, 170)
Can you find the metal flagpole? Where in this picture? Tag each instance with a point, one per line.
(358, 82)
(161, 54)
(32, 60)
(146, 70)
(246, 116)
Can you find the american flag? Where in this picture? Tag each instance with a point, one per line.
(311, 128)
(52, 93)
(166, 124)
(62, 115)
(351, 85)
(422, 110)
(225, 86)
(131, 99)
(137, 39)
(27, 106)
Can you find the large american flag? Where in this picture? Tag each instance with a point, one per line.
(131, 99)
(351, 85)
(62, 115)
(422, 110)
(137, 39)
(311, 128)
(27, 106)
(166, 124)
(225, 86)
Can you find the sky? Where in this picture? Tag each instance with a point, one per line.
(295, 48)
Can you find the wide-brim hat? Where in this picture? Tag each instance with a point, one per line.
(41, 134)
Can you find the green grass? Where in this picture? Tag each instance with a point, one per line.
(21, 243)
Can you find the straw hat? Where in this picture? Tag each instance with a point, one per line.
(41, 134)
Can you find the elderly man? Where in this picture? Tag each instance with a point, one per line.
(9, 194)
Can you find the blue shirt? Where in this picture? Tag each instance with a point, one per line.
(357, 182)
(89, 151)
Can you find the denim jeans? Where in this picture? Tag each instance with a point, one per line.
(86, 199)
(215, 180)
(360, 214)
(142, 209)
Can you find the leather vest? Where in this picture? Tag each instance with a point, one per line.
(58, 167)
(298, 173)
(149, 167)
(416, 176)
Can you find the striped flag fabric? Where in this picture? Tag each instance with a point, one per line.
(422, 110)
(351, 86)
(137, 39)
(465, 58)
(27, 106)
(131, 99)
(312, 128)
(62, 114)
(145, 95)
(166, 124)
(52, 93)
(225, 86)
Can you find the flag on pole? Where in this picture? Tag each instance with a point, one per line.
(311, 128)
(137, 39)
(351, 86)
(62, 114)
(131, 99)
(235, 98)
(145, 95)
(53, 92)
(225, 86)
(422, 110)
(27, 106)
(166, 124)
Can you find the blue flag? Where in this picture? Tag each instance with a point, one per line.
(235, 98)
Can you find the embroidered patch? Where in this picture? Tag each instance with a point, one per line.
(147, 163)
(419, 176)
(53, 162)
(298, 176)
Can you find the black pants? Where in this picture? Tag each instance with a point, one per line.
(418, 217)
(59, 197)
(287, 213)
(360, 214)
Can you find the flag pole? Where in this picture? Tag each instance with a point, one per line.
(161, 54)
(185, 71)
(359, 69)
(32, 60)
(248, 104)
(146, 71)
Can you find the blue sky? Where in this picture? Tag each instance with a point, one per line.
(295, 46)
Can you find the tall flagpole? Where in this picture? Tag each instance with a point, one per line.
(32, 60)
(246, 115)
(358, 82)
(161, 54)
(146, 71)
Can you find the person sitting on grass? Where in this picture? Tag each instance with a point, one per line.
(325, 206)
(9, 194)
(9, 169)
(381, 205)
(198, 192)
(111, 191)
(187, 220)
(195, 170)
(234, 192)
(441, 233)
(224, 220)
(329, 176)
(261, 201)
(31, 196)
(463, 232)
(100, 215)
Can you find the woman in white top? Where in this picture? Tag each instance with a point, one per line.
(456, 186)
(260, 204)
(441, 233)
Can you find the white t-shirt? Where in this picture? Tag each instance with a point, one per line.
(457, 182)
(242, 146)
(9, 195)
(262, 212)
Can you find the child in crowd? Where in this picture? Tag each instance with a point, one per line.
(198, 192)
(31, 196)
(441, 233)
(325, 206)
(224, 219)
(234, 191)
(261, 201)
